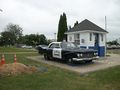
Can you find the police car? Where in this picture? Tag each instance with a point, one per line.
(69, 52)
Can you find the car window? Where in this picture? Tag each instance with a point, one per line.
(68, 45)
(54, 45)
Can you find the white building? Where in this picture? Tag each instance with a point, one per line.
(88, 35)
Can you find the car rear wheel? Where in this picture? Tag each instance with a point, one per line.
(46, 57)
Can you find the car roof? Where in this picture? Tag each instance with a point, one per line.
(57, 42)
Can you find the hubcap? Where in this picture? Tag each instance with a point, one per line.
(70, 60)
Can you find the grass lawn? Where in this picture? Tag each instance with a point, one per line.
(115, 51)
(59, 79)
(13, 49)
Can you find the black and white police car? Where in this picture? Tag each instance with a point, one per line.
(69, 52)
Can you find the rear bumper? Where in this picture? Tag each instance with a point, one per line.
(85, 59)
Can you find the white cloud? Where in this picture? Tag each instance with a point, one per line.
(42, 16)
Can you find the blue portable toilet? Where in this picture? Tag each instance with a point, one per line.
(88, 35)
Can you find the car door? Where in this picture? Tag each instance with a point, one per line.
(57, 51)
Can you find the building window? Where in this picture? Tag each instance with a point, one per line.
(82, 40)
(70, 38)
(77, 38)
(90, 36)
(101, 37)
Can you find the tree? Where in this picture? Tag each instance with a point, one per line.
(114, 42)
(13, 33)
(35, 39)
(42, 39)
(69, 27)
(59, 29)
(76, 23)
(6, 38)
(62, 28)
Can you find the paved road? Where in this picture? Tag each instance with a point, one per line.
(103, 63)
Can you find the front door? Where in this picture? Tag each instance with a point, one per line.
(96, 44)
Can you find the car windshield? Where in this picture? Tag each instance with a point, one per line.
(68, 45)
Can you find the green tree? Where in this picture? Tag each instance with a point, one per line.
(42, 39)
(6, 38)
(114, 42)
(11, 35)
(62, 28)
(35, 39)
(76, 23)
(59, 29)
(69, 27)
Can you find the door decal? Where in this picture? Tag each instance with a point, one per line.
(57, 53)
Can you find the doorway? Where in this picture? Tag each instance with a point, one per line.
(96, 44)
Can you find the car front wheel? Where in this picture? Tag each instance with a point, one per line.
(69, 61)
(89, 61)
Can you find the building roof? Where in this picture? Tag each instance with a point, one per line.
(86, 25)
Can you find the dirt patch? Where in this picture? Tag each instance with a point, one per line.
(102, 63)
(16, 68)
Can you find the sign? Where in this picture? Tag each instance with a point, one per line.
(57, 53)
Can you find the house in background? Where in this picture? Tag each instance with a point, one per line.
(88, 35)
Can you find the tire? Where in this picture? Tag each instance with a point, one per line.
(69, 61)
(89, 61)
(39, 52)
(46, 57)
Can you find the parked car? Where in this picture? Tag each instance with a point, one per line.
(41, 48)
(26, 46)
(69, 52)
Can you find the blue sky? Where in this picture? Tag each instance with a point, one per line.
(42, 16)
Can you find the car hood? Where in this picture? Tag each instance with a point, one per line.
(79, 50)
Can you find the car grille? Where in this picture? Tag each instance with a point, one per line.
(88, 55)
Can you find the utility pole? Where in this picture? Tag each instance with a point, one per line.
(105, 23)
(55, 36)
(105, 36)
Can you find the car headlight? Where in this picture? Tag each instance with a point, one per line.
(96, 54)
(79, 55)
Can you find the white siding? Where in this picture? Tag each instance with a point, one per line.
(102, 43)
(92, 42)
(77, 38)
(84, 36)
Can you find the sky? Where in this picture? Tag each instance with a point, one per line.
(42, 16)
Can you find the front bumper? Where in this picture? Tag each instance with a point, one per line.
(85, 59)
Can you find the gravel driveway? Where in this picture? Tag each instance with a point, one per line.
(102, 63)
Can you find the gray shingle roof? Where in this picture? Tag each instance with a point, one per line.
(86, 25)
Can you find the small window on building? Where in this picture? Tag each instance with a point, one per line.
(77, 36)
(101, 37)
(90, 36)
(70, 38)
(82, 40)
